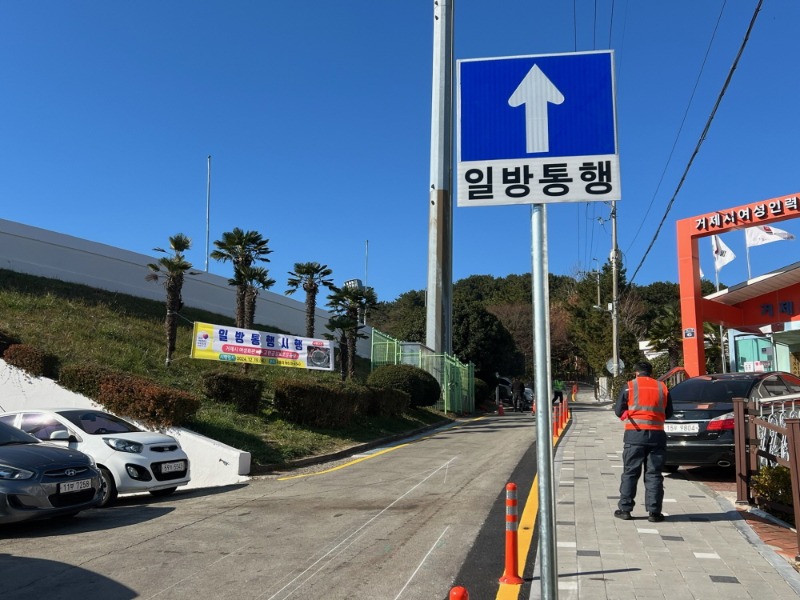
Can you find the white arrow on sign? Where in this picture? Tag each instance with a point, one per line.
(535, 91)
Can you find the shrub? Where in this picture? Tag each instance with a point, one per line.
(243, 392)
(83, 379)
(6, 340)
(420, 385)
(143, 400)
(32, 360)
(379, 402)
(772, 486)
(316, 404)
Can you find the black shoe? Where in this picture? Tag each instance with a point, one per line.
(655, 517)
(625, 515)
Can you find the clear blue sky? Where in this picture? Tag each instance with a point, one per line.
(317, 116)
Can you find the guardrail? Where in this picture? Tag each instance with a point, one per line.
(767, 432)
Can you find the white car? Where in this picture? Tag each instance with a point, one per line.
(129, 459)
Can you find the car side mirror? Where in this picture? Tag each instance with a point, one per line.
(62, 436)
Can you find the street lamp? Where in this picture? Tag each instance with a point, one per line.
(357, 285)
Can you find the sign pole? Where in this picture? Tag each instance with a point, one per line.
(548, 560)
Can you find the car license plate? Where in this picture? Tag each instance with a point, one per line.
(172, 467)
(681, 427)
(74, 486)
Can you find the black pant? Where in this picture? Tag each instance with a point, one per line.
(634, 457)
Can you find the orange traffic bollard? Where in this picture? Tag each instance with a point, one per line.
(510, 574)
(556, 418)
(459, 593)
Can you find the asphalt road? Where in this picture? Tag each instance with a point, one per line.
(401, 522)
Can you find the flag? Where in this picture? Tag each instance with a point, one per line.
(722, 254)
(764, 234)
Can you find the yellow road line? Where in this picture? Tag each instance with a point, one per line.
(363, 458)
(527, 520)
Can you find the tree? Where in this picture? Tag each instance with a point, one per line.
(243, 249)
(480, 338)
(665, 333)
(338, 327)
(404, 318)
(171, 270)
(310, 276)
(350, 303)
(254, 279)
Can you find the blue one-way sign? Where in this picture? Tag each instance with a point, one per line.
(537, 129)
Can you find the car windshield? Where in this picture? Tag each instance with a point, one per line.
(98, 422)
(711, 390)
(11, 435)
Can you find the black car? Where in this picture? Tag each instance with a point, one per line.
(700, 432)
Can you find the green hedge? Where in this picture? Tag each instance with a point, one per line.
(421, 386)
(333, 405)
(243, 392)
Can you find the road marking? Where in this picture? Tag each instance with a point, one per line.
(348, 540)
(363, 457)
(419, 566)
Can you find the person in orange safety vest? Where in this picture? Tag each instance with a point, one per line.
(643, 404)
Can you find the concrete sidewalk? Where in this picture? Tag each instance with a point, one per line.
(704, 548)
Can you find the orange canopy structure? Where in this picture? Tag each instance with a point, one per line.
(770, 299)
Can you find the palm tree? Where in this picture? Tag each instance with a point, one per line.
(310, 276)
(666, 334)
(243, 249)
(350, 302)
(339, 326)
(172, 269)
(256, 278)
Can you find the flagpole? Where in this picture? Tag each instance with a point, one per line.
(721, 344)
(747, 251)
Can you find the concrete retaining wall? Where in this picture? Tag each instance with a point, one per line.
(212, 463)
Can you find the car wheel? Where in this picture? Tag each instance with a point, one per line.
(109, 488)
(164, 492)
(671, 468)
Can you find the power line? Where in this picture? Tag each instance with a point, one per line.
(702, 137)
(680, 129)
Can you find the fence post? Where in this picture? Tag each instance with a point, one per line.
(793, 438)
(740, 451)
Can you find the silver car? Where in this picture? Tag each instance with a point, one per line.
(39, 480)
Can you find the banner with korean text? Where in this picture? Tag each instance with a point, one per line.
(231, 344)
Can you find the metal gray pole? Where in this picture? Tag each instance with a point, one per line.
(615, 289)
(438, 335)
(208, 206)
(548, 559)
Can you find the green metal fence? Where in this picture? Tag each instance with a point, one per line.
(456, 379)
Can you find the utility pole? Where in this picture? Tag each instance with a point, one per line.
(439, 299)
(614, 289)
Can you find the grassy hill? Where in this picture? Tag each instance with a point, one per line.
(83, 325)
